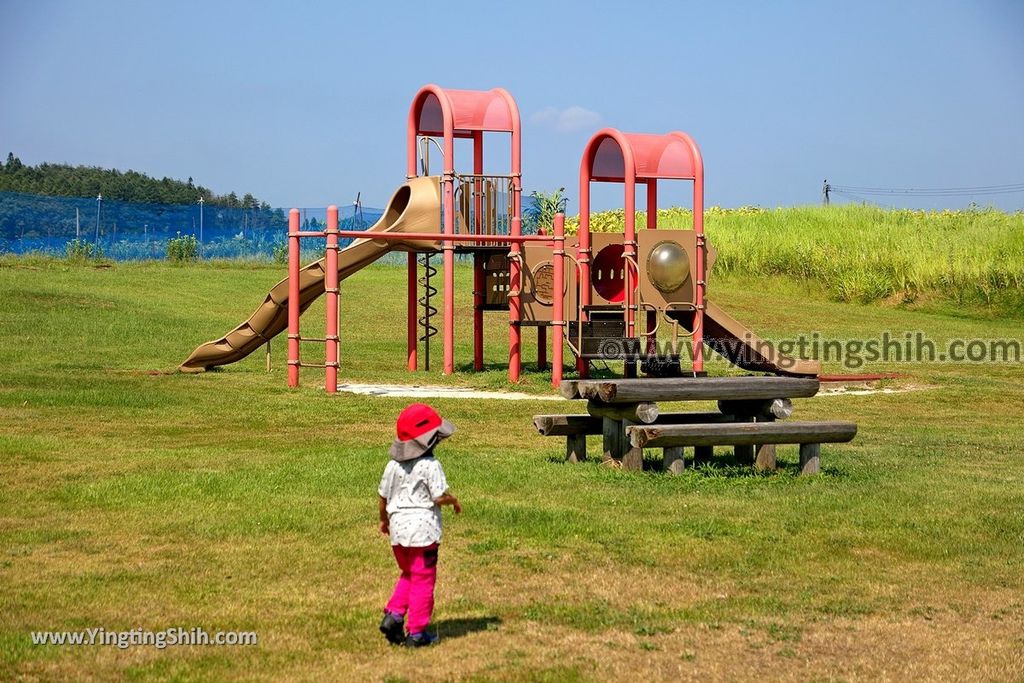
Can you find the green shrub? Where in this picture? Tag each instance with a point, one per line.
(542, 210)
(183, 248)
(280, 254)
(80, 250)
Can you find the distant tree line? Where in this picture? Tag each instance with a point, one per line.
(63, 180)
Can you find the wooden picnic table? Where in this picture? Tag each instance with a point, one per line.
(627, 414)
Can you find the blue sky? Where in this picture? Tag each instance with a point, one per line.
(304, 103)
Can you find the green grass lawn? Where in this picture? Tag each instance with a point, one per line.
(135, 497)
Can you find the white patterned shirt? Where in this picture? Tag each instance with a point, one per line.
(410, 488)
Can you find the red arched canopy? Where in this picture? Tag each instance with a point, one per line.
(466, 111)
(670, 156)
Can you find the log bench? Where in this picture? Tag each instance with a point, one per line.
(576, 429)
(809, 436)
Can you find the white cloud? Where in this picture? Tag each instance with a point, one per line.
(568, 120)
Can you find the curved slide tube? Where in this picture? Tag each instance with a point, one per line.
(414, 207)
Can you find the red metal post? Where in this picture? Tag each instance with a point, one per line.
(652, 224)
(515, 285)
(410, 312)
(478, 169)
(652, 204)
(479, 285)
(448, 248)
(448, 260)
(583, 257)
(478, 261)
(701, 289)
(558, 300)
(411, 286)
(629, 252)
(516, 229)
(293, 298)
(516, 140)
(331, 289)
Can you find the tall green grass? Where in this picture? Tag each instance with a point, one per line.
(864, 253)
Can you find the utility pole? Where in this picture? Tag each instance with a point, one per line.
(200, 219)
(99, 204)
(78, 228)
(825, 188)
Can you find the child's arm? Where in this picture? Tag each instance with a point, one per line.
(448, 499)
(382, 510)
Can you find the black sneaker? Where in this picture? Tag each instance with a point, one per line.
(393, 628)
(421, 639)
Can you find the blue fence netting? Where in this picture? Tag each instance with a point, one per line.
(137, 231)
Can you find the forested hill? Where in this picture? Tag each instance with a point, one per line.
(131, 186)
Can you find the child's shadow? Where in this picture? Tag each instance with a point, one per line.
(456, 628)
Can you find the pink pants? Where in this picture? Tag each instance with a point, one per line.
(414, 591)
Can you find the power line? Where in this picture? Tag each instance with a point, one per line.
(929, 194)
(1010, 188)
(939, 189)
(852, 196)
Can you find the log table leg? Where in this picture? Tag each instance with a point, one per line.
(576, 448)
(632, 458)
(674, 462)
(613, 434)
(702, 455)
(810, 458)
(765, 459)
(617, 447)
(744, 453)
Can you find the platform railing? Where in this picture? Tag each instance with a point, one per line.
(483, 204)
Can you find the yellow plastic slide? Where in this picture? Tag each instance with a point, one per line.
(414, 207)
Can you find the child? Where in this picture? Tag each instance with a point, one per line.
(411, 492)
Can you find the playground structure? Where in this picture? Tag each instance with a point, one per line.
(604, 296)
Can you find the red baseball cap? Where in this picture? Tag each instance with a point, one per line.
(418, 429)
